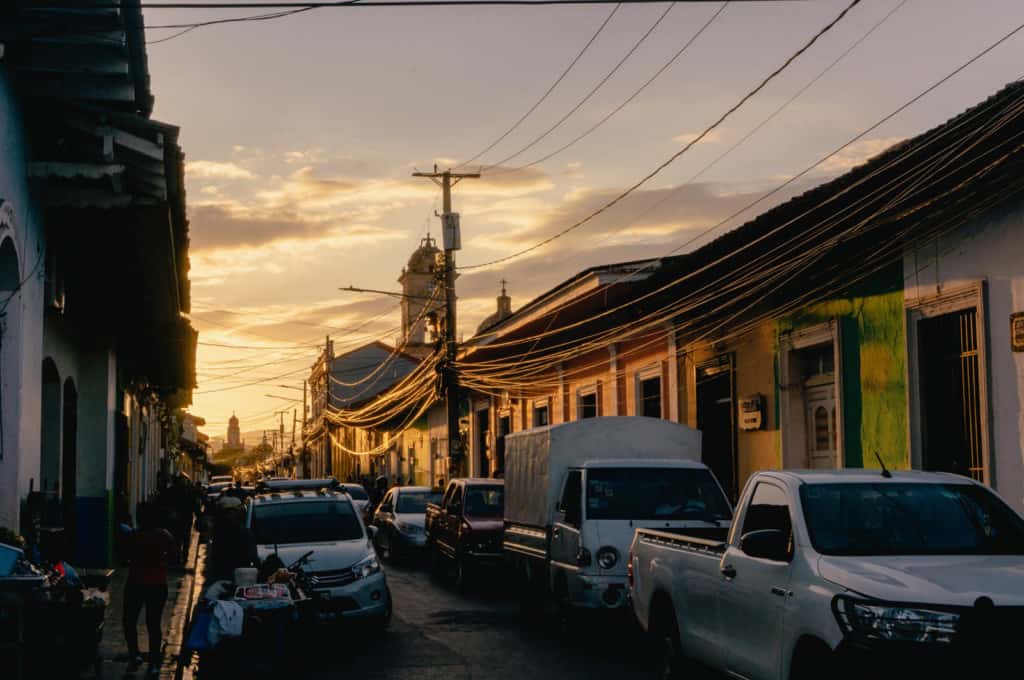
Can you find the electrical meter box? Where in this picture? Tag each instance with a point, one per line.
(751, 412)
(451, 233)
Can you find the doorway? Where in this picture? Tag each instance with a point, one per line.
(483, 420)
(69, 464)
(818, 382)
(715, 420)
(950, 394)
(50, 430)
(504, 427)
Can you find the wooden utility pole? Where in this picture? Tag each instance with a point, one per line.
(451, 239)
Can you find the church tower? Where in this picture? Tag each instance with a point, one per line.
(234, 433)
(424, 295)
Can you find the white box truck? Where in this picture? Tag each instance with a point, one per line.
(575, 493)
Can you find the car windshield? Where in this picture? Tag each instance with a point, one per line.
(890, 518)
(305, 522)
(485, 501)
(415, 501)
(357, 492)
(655, 493)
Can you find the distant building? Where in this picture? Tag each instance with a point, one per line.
(423, 301)
(503, 312)
(234, 434)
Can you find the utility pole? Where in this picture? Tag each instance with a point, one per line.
(451, 239)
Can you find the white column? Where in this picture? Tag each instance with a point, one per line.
(673, 375)
(613, 369)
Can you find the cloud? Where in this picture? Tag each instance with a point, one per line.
(355, 322)
(857, 153)
(305, 156)
(228, 226)
(713, 137)
(216, 169)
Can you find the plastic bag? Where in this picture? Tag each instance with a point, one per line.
(199, 636)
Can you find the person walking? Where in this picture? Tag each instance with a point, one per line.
(150, 549)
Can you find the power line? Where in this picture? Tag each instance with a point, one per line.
(71, 4)
(646, 178)
(623, 105)
(551, 89)
(774, 114)
(587, 97)
(809, 168)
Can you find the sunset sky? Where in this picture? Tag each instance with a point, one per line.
(301, 135)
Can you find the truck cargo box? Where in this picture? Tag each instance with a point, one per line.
(536, 459)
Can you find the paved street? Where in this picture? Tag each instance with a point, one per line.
(438, 632)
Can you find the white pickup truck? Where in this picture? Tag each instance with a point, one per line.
(849, 573)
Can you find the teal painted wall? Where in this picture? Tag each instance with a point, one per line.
(872, 368)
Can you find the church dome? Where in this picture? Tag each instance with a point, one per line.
(422, 260)
(232, 420)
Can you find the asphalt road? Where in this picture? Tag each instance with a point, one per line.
(439, 632)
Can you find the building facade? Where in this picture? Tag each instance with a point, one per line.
(95, 350)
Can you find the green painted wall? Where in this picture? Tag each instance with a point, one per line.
(873, 367)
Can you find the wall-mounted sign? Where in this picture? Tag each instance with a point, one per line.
(1017, 332)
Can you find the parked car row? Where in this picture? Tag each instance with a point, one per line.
(816, 573)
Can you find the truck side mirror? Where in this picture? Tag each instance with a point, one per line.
(769, 544)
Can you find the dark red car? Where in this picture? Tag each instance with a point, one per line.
(465, 529)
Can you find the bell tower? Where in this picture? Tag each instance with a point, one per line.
(423, 294)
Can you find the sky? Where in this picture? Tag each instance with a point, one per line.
(301, 135)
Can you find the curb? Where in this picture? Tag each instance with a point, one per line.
(193, 562)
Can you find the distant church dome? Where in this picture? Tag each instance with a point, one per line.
(503, 312)
(232, 420)
(422, 260)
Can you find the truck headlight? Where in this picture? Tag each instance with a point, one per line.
(366, 568)
(894, 623)
(607, 557)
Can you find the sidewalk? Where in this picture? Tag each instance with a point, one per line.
(114, 649)
(188, 668)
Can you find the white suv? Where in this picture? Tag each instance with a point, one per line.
(347, 579)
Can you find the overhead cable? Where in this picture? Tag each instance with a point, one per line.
(543, 97)
(586, 133)
(646, 178)
(586, 97)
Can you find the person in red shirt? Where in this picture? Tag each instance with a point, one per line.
(150, 549)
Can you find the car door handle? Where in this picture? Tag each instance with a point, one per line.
(728, 571)
(781, 592)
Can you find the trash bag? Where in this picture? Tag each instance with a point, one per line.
(199, 635)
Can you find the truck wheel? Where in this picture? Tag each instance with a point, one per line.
(462, 574)
(531, 601)
(381, 622)
(813, 659)
(436, 562)
(669, 652)
(564, 614)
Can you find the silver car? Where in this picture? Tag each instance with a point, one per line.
(347, 579)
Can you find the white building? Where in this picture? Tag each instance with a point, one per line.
(95, 352)
(966, 365)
